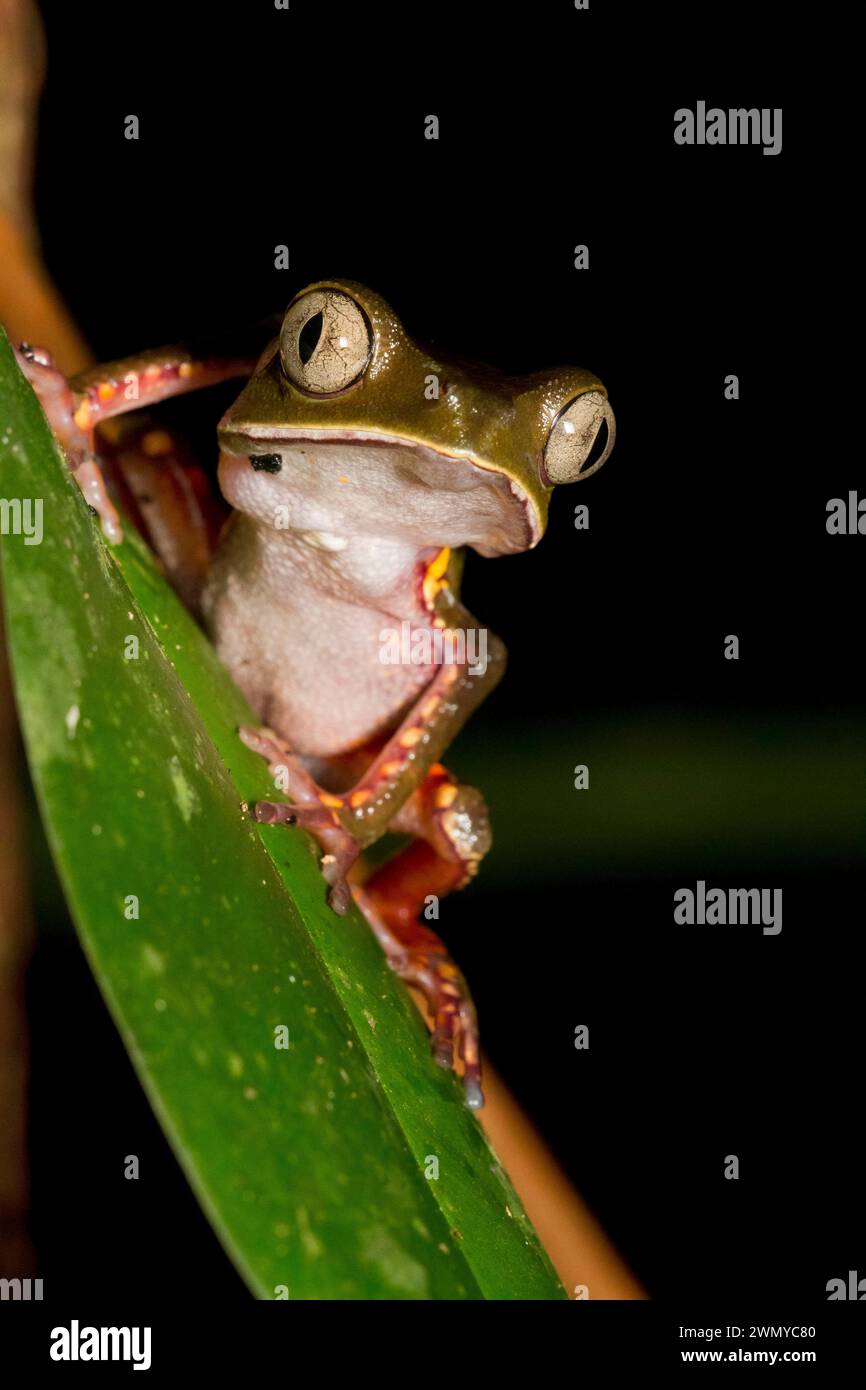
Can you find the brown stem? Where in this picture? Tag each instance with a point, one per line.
(30, 308)
(16, 940)
(580, 1251)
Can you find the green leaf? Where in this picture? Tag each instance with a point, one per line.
(310, 1162)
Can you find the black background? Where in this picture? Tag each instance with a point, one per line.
(260, 127)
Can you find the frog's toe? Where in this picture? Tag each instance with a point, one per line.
(455, 1025)
(335, 867)
(470, 1054)
(311, 817)
(265, 742)
(473, 1092)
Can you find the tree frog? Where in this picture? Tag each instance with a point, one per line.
(357, 466)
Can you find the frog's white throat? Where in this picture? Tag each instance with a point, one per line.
(337, 485)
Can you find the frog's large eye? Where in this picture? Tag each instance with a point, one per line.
(581, 439)
(325, 342)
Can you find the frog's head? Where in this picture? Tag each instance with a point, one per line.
(347, 424)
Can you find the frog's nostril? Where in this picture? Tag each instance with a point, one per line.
(266, 463)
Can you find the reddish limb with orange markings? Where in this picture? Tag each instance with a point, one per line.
(76, 407)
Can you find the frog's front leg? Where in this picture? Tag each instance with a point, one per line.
(309, 807)
(60, 403)
(75, 407)
(367, 809)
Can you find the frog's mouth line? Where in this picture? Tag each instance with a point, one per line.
(234, 440)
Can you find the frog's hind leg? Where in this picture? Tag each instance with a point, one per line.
(452, 825)
(151, 474)
(391, 900)
(451, 833)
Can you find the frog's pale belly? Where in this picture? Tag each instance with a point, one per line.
(306, 654)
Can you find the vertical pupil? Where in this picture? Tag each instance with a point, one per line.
(309, 336)
(596, 448)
